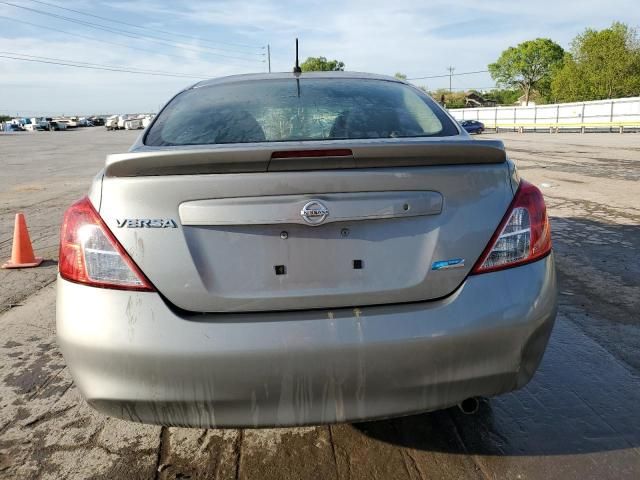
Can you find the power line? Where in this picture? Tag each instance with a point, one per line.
(102, 65)
(117, 30)
(87, 37)
(93, 66)
(129, 34)
(133, 35)
(448, 75)
(150, 29)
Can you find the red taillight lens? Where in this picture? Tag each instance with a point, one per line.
(336, 152)
(90, 254)
(524, 235)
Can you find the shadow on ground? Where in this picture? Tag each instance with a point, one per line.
(581, 400)
(586, 395)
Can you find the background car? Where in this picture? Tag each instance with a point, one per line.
(472, 126)
(111, 122)
(97, 121)
(56, 125)
(13, 127)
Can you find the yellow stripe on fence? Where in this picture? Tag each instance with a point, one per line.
(559, 125)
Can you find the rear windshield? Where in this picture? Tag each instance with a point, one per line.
(282, 110)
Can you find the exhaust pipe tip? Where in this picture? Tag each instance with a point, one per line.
(469, 406)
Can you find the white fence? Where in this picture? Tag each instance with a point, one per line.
(614, 115)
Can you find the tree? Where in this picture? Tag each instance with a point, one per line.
(529, 66)
(321, 64)
(503, 96)
(601, 64)
(400, 76)
(451, 99)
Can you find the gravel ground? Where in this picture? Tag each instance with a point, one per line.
(579, 417)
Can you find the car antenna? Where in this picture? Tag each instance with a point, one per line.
(297, 70)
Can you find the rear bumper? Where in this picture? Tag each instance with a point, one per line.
(132, 357)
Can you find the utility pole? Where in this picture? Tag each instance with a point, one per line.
(451, 69)
(269, 56)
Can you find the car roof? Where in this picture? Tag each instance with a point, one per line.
(289, 75)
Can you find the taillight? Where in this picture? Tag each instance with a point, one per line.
(90, 254)
(336, 152)
(524, 235)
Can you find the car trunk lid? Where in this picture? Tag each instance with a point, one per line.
(241, 229)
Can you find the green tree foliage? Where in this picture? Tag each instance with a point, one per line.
(503, 96)
(451, 99)
(400, 76)
(601, 64)
(321, 64)
(457, 99)
(529, 66)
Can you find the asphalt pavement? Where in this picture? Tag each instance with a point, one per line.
(579, 418)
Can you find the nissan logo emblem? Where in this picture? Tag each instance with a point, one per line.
(314, 212)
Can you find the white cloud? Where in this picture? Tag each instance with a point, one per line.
(416, 37)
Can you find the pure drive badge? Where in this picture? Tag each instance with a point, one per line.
(147, 223)
(448, 264)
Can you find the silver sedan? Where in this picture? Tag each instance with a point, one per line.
(290, 249)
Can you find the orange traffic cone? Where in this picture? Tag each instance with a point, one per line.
(22, 252)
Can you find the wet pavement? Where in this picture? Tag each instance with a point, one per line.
(578, 418)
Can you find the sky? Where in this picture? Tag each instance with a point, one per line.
(198, 39)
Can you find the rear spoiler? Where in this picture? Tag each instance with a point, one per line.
(308, 156)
